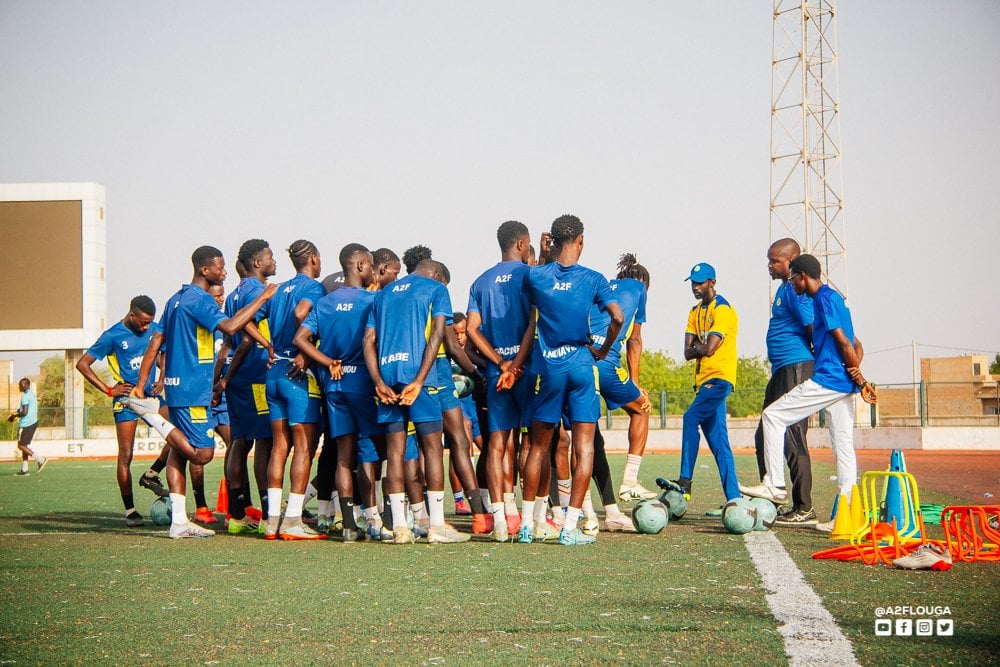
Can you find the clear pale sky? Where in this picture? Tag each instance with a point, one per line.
(397, 123)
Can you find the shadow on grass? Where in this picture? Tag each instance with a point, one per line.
(76, 522)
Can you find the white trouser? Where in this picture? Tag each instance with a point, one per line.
(802, 401)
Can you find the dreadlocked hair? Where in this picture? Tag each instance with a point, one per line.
(629, 267)
(383, 256)
(300, 252)
(413, 256)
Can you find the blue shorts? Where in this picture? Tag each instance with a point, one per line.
(510, 409)
(194, 422)
(469, 411)
(297, 401)
(412, 452)
(349, 412)
(445, 390)
(122, 413)
(367, 452)
(425, 409)
(617, 387)
(249, 417)
(218, 416)
(575, 389)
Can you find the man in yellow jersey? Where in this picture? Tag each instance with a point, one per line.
(710, 340)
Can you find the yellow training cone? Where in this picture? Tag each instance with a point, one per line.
(842, 528)
(858, 518)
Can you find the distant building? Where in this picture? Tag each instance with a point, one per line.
(955, 389)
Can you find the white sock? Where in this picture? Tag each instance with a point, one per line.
(612, 512)
(161, 425)
(311, 493)
(178, 509)
(588, 507)
(324, 507)
(528, 513)
(24, 465)
(572, 518)
(497, 510)
(295, 503)
(274, 502)
(334, 502)
(371, 515)
(458, 496)
(435, 507)
(484, 495)
(541, 504)
(509, 506)
(632, 468)
(565, 486)
(419, 511)
(397, 501)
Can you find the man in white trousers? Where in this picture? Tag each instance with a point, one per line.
(836, 378)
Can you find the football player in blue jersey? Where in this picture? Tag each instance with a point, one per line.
(337, 325)
(562, 293)
(185, 330)
(386, 266)
(293, 395)
(123, 346)
(405, 328)
(245, 388)
(498, 326)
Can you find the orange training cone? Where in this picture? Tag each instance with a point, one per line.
(858, 518)
(222, 504)
(842, 528)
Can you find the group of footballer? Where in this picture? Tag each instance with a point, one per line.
(367, 361)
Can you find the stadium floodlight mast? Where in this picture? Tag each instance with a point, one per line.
(807, 202)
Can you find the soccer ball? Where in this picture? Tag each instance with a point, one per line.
(160, 512)
(463, 384)
(650, 517)
(739, 516)
(675, 502)
(766, 513)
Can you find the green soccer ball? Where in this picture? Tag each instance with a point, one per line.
(675, 502)
(160, 512)
(739, 516)
(766, 513)
(650, 517)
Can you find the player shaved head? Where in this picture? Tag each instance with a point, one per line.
(779, 258)
(510, 232)
(386, 265)
(431, 269)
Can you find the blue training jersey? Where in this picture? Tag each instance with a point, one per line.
(402, 314)
(631, 297)
(123, 348)
(280, 311)
(30, 402)
(831, 313)
(787, 342)
(253, 369)
(188, 325)
(498, 296)
(338, 320)
(564, 296)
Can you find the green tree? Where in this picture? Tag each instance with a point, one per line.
(995, 366)
(661, 373)
(52, 396)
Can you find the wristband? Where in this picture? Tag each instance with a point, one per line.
(110, 389)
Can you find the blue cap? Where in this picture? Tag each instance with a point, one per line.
(701, 272)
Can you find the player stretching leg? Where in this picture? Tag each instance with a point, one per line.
(185, 331)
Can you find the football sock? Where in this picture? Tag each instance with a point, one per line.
(347, 509)
(294, 508)
(238, 507)
(565, 486)
(497, 510)
(541, 504)
(157, 467)
(509, 506)
(325, 507)
(419, 511)
(310, 493)
(274, 501)
(396, 501)
(588, 507)
(459, 496)
(264, 506)
(178, 509)
(528, 513)
(476, 502)
(484, 497)
(572, 518)
(435, 507)
(128, 501)
(199, 496)
(24, 465)
(632, 468)
(161, 425)
(612, 512)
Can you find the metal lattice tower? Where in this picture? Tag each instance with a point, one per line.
(807, 201)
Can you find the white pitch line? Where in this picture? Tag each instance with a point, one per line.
(811, 635)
